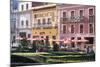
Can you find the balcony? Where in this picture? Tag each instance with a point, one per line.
(64, 20)
(42, 25)
(74, 19)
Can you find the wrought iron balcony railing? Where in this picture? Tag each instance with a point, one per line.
(74, 19)
(42, 25)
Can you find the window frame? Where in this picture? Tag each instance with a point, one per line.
(80, 29)
(22, 7)
(22, 23)
(27, 6)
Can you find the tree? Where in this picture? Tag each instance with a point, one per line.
(47, 45)
(55, 46)
(24, 44)
(34, 46)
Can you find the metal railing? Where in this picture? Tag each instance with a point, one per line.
(42, 25)
(74, 19)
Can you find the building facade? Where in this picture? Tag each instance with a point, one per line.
(45, 22)
(24, 21)
(23, 25)
(57, 21)
(77, 22)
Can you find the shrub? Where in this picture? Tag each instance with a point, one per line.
(55, 47)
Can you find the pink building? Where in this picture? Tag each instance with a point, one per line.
(77, 22)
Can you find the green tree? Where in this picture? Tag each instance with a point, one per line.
(24, 44)
(34, 46)
(55, 46)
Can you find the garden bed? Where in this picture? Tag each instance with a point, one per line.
(58, 57)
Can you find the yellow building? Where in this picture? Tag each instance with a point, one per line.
(44, 20)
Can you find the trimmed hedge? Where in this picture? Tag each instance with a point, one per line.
(67, 53)
(59, 57)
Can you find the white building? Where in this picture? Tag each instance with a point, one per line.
(24, 21)
(23, 24)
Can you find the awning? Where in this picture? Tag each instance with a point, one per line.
(19, 38)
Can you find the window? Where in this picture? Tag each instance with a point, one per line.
(26, 22)
(72, 14)
(90, 40)
(44, 21)
(47, 37)
(81, 28)
(29, 35)
(90, 11)
(39, 23)
(72, 28)
(64, 29)
(42, 37)
(22, 7)
(35, 16)
(22, 34)
(64, 14)
(22, 23)
(91, 17)
(26, 6)
(49, 21)
(79, 38)
(64, 19)
(81, 13)
(53, 37)
(72, 38)
(90, 28)
(14, 39)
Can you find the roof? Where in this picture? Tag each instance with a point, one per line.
(44, 6)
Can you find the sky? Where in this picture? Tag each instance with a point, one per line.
(14, 4)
